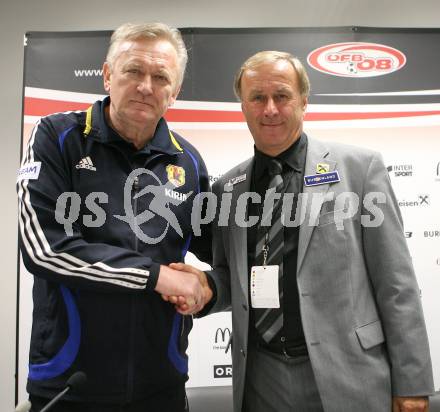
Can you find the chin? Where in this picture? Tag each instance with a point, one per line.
(273, 142)
(142, 116)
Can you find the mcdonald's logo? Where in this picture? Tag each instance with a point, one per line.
(224, 334)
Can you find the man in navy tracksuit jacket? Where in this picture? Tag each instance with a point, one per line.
(105, 205)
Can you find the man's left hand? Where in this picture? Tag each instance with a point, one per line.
(410, 404)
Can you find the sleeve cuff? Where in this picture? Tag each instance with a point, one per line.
(154, 270)
(213, 300)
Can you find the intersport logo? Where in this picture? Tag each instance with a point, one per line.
(356, 59)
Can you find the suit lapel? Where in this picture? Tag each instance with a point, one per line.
(238, 235)
(317, 152)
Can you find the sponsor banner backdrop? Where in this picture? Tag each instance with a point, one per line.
(376, 88)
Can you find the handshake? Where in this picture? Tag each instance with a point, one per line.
(184, 286)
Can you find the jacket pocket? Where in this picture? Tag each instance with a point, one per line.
(329, 217)
(178, 343)
(370, 335)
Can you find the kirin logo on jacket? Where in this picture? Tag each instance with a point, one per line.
(356, 59)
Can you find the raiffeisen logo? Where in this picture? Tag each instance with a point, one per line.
(356, 59)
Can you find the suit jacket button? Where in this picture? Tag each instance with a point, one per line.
(244, 307)
(243, 353)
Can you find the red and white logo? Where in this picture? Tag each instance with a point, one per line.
(356, 59)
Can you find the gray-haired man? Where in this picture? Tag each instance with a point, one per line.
(326, 313)
(100, 265)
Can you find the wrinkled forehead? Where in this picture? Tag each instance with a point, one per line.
(270, 68)
(274, 74)
(154, 50)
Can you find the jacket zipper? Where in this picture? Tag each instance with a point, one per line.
(131, 363)
(130, 366)
(136, 188)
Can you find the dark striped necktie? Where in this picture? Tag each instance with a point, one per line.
(271, 232)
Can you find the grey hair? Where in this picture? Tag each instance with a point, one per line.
(270, 56)
(141, 31)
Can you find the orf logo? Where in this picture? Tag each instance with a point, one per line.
(224, 334)
(222, 371)
(356, 59)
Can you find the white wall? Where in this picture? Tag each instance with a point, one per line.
(20, 16)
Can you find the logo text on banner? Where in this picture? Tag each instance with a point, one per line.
(356, 59)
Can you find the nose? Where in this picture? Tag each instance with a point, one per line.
(145, 85)
(270, 109)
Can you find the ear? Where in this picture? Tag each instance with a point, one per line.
(174, 97)
(106, 75)
(305, 102)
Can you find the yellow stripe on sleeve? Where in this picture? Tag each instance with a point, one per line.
(88, 127)
(175, 143)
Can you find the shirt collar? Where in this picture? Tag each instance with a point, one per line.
(161, 142)
(294, 157)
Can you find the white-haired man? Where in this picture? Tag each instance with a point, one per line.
(94, 236)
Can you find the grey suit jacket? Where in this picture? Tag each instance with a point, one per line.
(359, 299)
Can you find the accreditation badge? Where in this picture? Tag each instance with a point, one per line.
(264, 286)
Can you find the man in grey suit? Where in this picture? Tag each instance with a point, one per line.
(326, 311)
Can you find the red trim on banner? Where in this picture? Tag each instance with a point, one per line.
(185, 115)
(34, 106)
(43, 107)
(205, 116)
(366, 115)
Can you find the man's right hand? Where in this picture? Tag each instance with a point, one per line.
(182, 303)
(183, 285)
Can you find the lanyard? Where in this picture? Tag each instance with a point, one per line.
(277, 205)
